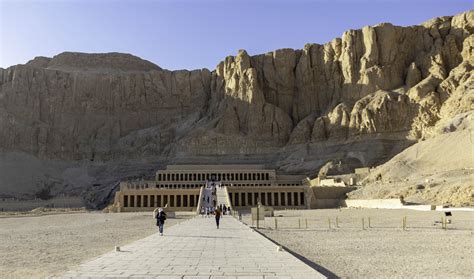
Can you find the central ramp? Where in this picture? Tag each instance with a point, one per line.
(222, 196)
(196, 249)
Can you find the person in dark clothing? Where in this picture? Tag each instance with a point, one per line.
(160, 220)
(217, 212)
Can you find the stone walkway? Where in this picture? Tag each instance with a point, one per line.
(222, 196)
(196, 249)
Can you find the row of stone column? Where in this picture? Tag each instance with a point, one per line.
(217, 176)
(267, 198)
(160, 200)
(179, 186)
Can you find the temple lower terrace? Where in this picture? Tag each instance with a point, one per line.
(181, 188)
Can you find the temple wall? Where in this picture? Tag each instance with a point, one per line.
(375, 203)
(274, 196)
(149, 199)
(180, 185)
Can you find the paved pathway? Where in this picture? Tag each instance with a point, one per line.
(222, 197)
(196, 249)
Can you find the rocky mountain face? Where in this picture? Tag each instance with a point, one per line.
(361, 98)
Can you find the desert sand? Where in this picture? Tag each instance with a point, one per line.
(382, 251)
(39, 246)
(438, 170)
(35, 247)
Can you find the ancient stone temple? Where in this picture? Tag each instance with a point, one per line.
(180, 187)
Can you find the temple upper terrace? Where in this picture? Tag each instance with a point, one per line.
(224, 173)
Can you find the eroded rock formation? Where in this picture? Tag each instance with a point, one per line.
(386, 84)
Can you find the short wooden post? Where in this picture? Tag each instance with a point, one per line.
(276, 224)
(258, 215)
(363, 223)
(306, 222)
(369, 223)
(299, 223)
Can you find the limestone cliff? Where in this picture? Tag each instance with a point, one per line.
(366, 95)
(57, 109)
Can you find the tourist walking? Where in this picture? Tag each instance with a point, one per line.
(217, 212)
(160, 220)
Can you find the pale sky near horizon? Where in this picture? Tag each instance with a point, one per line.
(187, 34)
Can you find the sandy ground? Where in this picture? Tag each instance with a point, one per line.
(35, 247)
(438, 170)
(384, 250)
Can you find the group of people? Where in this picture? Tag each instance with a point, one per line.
(224, 209)
(217, 211)
(214, 184)
(210, 210)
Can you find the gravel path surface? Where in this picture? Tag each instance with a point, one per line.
(35, 247)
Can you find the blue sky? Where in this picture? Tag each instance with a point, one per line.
(193, 34)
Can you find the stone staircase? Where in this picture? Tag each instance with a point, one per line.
(206, 199)
(207, 196)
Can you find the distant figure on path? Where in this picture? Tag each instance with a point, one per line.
(160, 220)
(217, 212)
